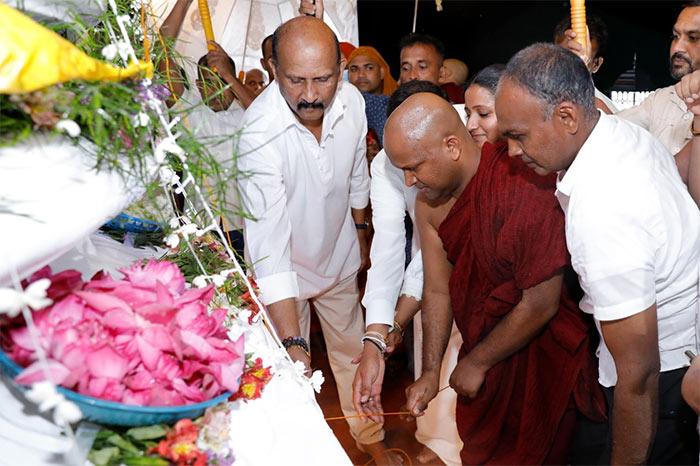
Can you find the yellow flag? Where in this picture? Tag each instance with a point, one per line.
(33, 57)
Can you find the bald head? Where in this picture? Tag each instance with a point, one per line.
(426, 138)
(456, 71)
(306, 32)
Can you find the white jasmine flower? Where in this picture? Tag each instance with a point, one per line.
(172, 240)
(188, 229)
(167, 175)
(109, 52)
(34, 296)
(173, 222)
(141, 119)
(41, 391)
(123, 48)
(66, 412)
(218, 280)
(200, 281)
(317, 380)
(168, 146)
(70, 127)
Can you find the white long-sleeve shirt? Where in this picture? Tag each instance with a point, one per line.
(391, 199)
(304, 239)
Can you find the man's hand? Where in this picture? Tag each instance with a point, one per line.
(312, 8)
(367, 386)
(419, 394)
(219, 60)
(467, 378)
(688, 89)
(577, 48)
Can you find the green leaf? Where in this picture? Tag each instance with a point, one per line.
(104, 456)
(119, 441)
(148, 432)
(145, 461)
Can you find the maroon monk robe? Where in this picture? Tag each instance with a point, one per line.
(505, 234)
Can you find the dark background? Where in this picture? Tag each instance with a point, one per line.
(481, 33)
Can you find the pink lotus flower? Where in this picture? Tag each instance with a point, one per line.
(142, 340)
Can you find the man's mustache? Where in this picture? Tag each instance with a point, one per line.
(680, 57)
(305, 104)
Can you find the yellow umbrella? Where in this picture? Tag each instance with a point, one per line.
(33, 57)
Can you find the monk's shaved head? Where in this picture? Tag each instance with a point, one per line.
(424, 116)
(425, 137)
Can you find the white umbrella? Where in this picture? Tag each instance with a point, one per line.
(241, 25)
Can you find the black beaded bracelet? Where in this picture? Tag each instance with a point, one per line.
(289, 342)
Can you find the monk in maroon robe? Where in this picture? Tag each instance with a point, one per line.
(496, 263)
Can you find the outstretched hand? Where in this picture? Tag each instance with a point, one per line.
(367, 385)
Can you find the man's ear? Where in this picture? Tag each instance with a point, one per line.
(596, 64)
(568, 116)
(443, 76)
(343, 64)
(273, 67)
(381, 72)
(452, 146)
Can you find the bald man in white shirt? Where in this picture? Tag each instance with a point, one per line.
(307, 186)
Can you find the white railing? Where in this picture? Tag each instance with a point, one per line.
(627, 99)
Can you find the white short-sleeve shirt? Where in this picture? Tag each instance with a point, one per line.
(634, 236)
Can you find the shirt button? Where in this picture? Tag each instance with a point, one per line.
(686, 116)
(676, 150)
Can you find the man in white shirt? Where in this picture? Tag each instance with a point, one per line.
(634, 237)
(302, 149)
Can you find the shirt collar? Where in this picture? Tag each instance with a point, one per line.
(330, 116)
(567, 178)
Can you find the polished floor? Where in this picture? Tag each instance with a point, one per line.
(399, 433)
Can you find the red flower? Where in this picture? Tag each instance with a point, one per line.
(253, 380)
(180, 446)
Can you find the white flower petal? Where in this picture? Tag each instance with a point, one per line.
(218, 280)
(109, 52)
(317, 380)
(70, 127)
(10, 302)
(200, 281)
(41, 391)
(35, 294)
(172, 240)
(66, 412)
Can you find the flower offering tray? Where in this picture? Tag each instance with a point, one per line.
(111, 413)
